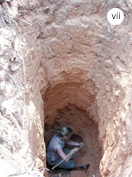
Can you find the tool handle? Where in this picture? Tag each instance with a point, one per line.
(81, 146)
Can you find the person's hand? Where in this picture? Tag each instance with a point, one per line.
(80, 144)
(75, 150)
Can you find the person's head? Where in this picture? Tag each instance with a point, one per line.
(64, 132)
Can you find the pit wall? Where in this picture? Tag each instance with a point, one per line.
(21, 117)
(41, 50)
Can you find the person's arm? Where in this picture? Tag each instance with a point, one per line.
(63, 155)
(73, 143)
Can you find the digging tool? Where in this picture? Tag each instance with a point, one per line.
(66, 157)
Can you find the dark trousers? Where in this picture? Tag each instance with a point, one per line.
(64, 165)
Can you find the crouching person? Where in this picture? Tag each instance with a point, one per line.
(56, 151)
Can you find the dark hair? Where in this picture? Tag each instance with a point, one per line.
(64, 131)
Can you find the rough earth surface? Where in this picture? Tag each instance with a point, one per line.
(62, 63)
